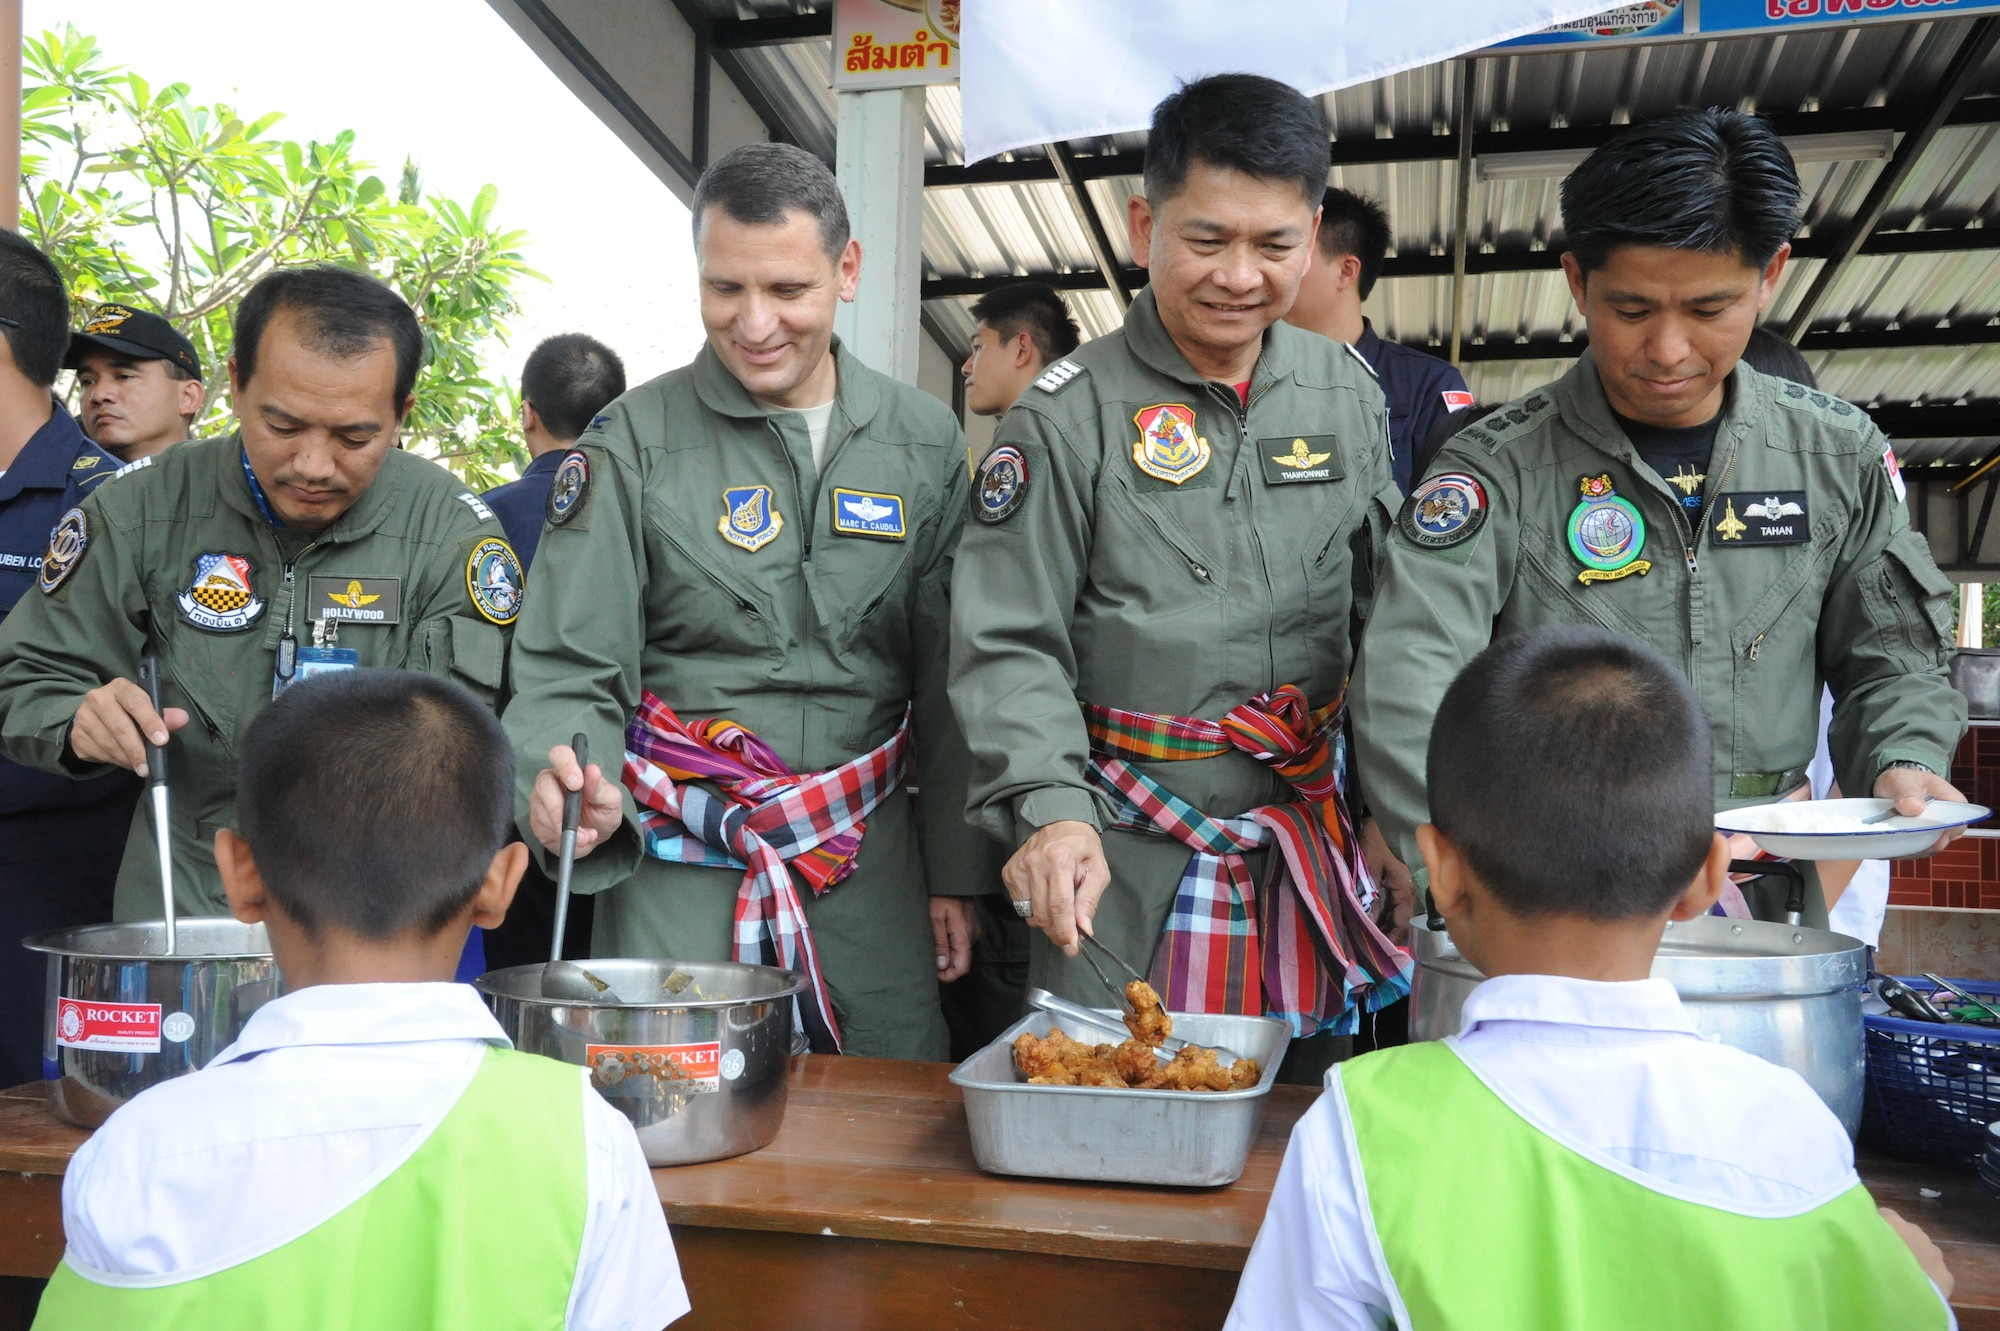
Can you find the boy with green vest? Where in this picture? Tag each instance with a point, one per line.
(1577, 1157)
(370, 1153)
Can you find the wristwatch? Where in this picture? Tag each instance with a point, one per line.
(1913, 766)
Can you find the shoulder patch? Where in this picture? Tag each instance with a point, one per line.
(1058, 374)
(493, 581)
(131, 467)
(85, 462)
(66, 546)
(476, 504)
(1001, 485)
(569, 488)
(1355, 352)
(1446, 510)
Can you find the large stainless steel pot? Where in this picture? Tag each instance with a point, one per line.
(121, 1016)
(701, 1073)
(1785, 993)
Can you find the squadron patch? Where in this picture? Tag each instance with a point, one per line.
(1302, 458)
(1446, 510)
(749, 517)
(1169, 448)
(1606, 533)
(569, 488)
(66, 546)
(220, 596)
(863, 513)
(1001, 485)
(1756, 517)
(493, 580)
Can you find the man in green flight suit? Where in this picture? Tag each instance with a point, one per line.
(1177, 526)
(1751, 529)
(305, 542)
(741, 598)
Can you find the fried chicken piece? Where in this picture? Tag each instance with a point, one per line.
(1042, 1060)
(1136, 1062)
(1148, 1020)
(1195, 1068)
(1243, 1074)
(1101, 1074)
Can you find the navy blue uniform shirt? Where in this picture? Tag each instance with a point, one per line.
(522, 505)
(51, 475)
(1416, 384)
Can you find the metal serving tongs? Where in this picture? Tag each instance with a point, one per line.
(156, 778)
(1117, 991)
(565, 979)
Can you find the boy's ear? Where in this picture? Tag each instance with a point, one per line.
(1706, 889)
(241, 882)
(1448, 870)
(496, 894)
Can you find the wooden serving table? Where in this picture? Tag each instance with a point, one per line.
(868, 1212)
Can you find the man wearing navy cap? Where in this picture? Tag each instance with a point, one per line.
(138, 381)
(60, 840)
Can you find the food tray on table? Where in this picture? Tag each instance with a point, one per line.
(1189, 1139)
(1932, 1088)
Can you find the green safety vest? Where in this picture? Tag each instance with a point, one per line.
(1485, 1222)
(479, 1229)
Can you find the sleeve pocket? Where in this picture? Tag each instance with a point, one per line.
(478, 652)
(1921, 594)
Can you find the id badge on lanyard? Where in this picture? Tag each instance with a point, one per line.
(322, 658)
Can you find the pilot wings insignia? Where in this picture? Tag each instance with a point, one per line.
(869, 510)
(1773, 508)
(1301, 457)
(353, 598)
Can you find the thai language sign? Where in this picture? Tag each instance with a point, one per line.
(1649, 19)
(894, 43)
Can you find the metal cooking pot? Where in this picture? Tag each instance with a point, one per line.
(1785, 993)
(121, 1016)
(701, 1073)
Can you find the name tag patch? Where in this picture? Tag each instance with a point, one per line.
(866, 513)
(1302, 458)
(1759, 517)
(355, 600)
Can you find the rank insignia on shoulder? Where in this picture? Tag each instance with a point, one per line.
(1446, 510)
(1169, 448)
(1001, 485)
(66, 546)
(1757, 517)
(599, 421)
(220, 597)
(569, 488)
(87, 462)
(749, 517)
(1058, 374)
(477, 505)
(1313, 457)
(864, 513)
(131, 467)
(1606, 533)
(493, 581)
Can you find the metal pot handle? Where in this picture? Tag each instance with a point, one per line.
(1795, 899)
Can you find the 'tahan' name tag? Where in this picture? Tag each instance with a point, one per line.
(355, 600)
(865, 513)
(1759, 517)
(1310, 457)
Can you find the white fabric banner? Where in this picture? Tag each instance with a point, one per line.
(1042, 71)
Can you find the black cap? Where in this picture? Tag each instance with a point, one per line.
(133, 333)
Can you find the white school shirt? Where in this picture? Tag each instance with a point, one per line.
(1615, 1072)
(328, 1090)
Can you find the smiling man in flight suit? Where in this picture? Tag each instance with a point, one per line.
(1177, 526)
(743, 578)
(1749, 528)
(306, 542)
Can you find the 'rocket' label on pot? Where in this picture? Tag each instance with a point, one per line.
(679, 1068)
(125, 1028)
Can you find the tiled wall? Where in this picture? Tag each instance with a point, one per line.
(1967, 874)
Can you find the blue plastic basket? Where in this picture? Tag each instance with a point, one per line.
(1930, 1095)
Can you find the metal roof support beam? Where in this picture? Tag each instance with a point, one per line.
(1094, 234)
(741, 34)
(1958, 78)
(600, 79)
(706, 48)
(1462, 209)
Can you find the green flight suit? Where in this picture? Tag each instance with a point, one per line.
(410, 539)
(1111, 585)
(817, 641)
(1848, 597)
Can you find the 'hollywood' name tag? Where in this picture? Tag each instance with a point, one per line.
(1759, 517)
(1301, 458)
(355, 600)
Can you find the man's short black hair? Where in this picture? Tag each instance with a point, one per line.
(1237, 122)
(759, 183)
(1035, 308)
(345, 314)
(36, 308)
(374, 801)
(1351, 223)
(568, 379)
(1572, 768)
(1769, 353)
(1717, 181)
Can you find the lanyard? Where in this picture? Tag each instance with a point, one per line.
(256, 490)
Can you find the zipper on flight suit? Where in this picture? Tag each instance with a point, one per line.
(1692, 538)
(288, 643)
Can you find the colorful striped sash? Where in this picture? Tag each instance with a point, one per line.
(1317, 958)
(768, 816)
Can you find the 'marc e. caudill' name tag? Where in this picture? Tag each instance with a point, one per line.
(1311, 457)
(1759, 517)
(355, 600)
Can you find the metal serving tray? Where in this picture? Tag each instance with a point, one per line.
(1188, 1139)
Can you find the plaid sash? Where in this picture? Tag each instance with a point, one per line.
(1305, 949)
(768, 816)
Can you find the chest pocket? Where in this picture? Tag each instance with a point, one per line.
(701, 597)
(1774, 646)
(1547, 577)
(863, 586)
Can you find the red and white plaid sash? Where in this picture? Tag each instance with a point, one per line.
(767, 816)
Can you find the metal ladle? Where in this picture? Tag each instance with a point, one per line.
(564, 979)
(156, 778)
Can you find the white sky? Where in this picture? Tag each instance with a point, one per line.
(448, 83)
